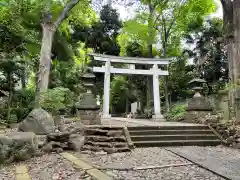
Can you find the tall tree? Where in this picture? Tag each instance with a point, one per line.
(164, 23)
(101, 36)
(49, 27)
(210, 53)
(231, 17)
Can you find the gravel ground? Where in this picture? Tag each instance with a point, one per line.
(54, 167)
(119, 166)
(7, 172)
(138, 157)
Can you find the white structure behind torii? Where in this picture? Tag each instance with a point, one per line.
(108, 69)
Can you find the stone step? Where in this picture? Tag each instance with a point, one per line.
(174, 137)
(169, 132)
(103, 132)
(169, 127)
(105, 139)
(104, 127)
(106, 149)
(106, 144)
(177, 143)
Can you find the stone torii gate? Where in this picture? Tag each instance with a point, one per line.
(107, 69)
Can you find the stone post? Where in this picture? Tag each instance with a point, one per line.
(106, 95)
(223, 105)
(157, 109)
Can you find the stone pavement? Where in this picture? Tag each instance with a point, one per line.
(222, 160)
(117, 121)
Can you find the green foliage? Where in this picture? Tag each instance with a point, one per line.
(176, 113)
(210, 53)
(180, 73)
(55, 99)
(83, 31)
(122, 93)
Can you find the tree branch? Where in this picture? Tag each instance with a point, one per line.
(174, 19)
(157, 18)
(65, 12)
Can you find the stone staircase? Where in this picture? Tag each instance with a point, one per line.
(107, 139)
(174, 135)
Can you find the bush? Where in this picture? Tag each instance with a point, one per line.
(21, 113)
(22, 103)
(176, 113)
(56, 99)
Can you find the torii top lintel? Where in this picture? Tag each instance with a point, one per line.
(130, 60)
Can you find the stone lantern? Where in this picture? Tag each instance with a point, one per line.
(198, 107)
(87, 108)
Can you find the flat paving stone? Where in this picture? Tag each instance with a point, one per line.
(143, 122)
(222, 160)
(174, 173)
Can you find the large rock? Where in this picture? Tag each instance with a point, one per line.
(76, 142)
(78, 128)
(58, 137)
(38, 121)
(17, 146)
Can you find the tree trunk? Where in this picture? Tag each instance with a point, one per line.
(23, 78)
(166, 77)
(10, 83)
(127, 104)
(149, 78)
(229, 41)
(236, 58)
(150, 52)
(45, 60)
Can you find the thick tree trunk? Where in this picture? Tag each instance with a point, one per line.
(229, 40)
(231, 16)
(236, 58)
(45, 60)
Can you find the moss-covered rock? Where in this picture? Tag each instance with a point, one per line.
(17, 146)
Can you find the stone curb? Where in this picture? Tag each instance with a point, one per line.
(22, 173)
(128, 138)
(95, 173)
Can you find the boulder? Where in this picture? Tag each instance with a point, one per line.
(51, 147)
(58, 136)
(38, 121)
(77, 128)
(17, 146)
(76, 142)
(6, 149)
